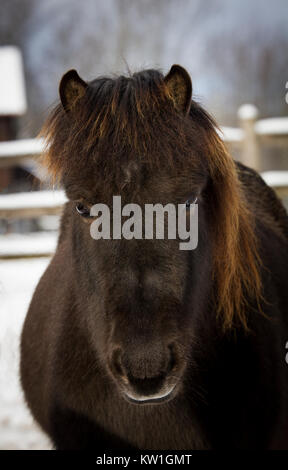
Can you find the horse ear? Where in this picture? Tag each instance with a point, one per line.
(179, 86)
(71, 89)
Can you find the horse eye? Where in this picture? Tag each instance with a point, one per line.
(190, 201)
(82, 210)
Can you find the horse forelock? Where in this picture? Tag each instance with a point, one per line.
(122, 118)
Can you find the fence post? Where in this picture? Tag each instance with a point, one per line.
(12, 100)
(248, 114)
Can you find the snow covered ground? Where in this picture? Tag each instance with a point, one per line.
(18, 279)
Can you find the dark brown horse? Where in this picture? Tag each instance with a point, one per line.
(135, 343)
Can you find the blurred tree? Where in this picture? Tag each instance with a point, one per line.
(235, 51)
(13, 17)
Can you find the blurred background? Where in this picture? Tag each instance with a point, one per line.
(236, 53)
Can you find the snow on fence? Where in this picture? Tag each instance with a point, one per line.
(12, 83)
(249, 137)
(14, 152)
(33, 204)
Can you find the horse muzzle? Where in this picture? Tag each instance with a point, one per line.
(145, 378)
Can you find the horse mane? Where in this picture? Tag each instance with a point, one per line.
(120, 113)
(236, 260)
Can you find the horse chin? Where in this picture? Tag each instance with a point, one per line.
(156, 399)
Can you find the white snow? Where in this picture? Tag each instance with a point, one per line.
(231, 134)
(272, 126)
(276, 179)
(248, 111)
(17, 282)
(21, 147)
(32, 200)
(12, 86)
(32, 244)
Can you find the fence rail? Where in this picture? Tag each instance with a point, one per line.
(18, 151)
(33, 204)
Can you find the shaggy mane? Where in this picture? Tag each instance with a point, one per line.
(131, 113)
(236, 259)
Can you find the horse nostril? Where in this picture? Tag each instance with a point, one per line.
(172, 363)
(146, 386)
(117, 362)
